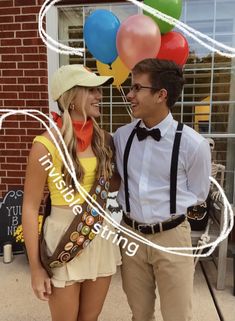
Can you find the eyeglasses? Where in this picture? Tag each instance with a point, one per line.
(137, 87)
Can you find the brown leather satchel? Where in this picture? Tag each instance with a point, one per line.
(79, 234)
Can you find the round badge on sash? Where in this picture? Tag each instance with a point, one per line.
(103, 195)
(74, 249)
(74, 236)
(94, 212)
(79, 227)
(98, 189)
(85, 230)
(80, 240)
(86, 243)
(102, 181)
(90, 220)
(84, 216)
(68, 246)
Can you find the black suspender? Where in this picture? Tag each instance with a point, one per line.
(173, 172)
(174, 167)
(125, 161)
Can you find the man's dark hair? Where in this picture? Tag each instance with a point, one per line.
(163, 74)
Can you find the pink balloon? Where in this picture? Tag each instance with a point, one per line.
(138, 38)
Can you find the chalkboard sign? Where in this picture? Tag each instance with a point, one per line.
(10, 218)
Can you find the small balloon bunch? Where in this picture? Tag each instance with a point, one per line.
(119, 46)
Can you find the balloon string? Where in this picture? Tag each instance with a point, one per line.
(125, 101)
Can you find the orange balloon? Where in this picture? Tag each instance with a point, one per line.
(138, 38)
(117, 70)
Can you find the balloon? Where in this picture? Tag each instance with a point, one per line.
(172, 8)
(174, 46)
(138, 38)
(100, 32)
(118, 70)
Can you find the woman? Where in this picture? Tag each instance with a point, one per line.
(78, 286)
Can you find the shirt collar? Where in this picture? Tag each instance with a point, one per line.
(163, 125)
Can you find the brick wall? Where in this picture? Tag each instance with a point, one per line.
(23, 85)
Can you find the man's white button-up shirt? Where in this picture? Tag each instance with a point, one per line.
(149, 171)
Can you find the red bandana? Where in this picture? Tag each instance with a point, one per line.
(83, 132)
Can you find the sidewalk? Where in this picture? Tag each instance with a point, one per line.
(17, 301)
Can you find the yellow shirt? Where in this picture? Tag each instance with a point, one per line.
(60, 193)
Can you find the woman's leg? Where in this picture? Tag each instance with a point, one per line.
(92, 296)
(64, 303)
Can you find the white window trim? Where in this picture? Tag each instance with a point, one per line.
(52, 56)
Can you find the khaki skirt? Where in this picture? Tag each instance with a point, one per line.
(100, 258)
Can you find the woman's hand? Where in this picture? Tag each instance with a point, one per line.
(41, 283)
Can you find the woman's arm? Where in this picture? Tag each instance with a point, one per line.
(33, 191)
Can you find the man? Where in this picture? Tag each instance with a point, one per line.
(157, 186)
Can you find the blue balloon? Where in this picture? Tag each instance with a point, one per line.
(100, 32)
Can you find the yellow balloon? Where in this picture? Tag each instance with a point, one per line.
(118, 70)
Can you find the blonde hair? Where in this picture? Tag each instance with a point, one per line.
(99, 145)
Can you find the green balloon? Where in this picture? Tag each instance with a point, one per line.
(172, 8)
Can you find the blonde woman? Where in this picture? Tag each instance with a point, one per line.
(72, 267)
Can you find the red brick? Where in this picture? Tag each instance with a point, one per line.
(25, 18)
(2, 160)
(11, 42)
(16, 146)
(10, 138)
(23, 167)
(29, 95)
(7, 65)
(2, 145)
(24, 153)
(7, 80)
(12, 58)
(26, 34)
(7, 180)
(10, 26)
(30, 124)
(15, 173)
(11, 166)
(9, 152)
(43, 49)
(34, 132)
(6, 34)
(14, 72)
(10, 124)
(3, 187)
(6, 3)
(6, 19)
(27, 65)
(27, 50)
(12, 11)
(35, 57)
(35, 103)
(14, 103)
(31, 9)
(36, 88)
(16, 160)
(32, 42)
(5, 50)
(27, 139)
(43, 65)
(13, 88)
(28, 80)
(8, 95)
(18, 132)
(35, 72)
(25, 3)
(44, 96)
(30, 26)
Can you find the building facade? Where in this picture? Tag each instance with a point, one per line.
(26, 65)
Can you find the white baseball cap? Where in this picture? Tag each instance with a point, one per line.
(66, 77)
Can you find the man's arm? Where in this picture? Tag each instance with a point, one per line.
(198, 172)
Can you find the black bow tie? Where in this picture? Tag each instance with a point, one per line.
(142, 133)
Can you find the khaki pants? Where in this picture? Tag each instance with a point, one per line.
(172, 273)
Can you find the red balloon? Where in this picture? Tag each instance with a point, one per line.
(174, 46)
(137, 38)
